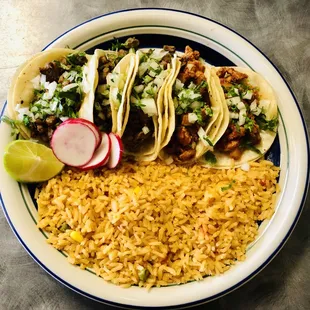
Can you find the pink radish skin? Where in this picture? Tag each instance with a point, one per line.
(74, 143)
(116, 151)
(101, 155)
(92, 126)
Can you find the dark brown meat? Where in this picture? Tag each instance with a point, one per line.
(192, 69)
(51, 120)
(235, 132)
(52, 72)
(230, 75)
(131, 43)
(166, 60)
(170, 48)
(235, 153)
(185, 121)
(134, 137)
(187, 155)
(255, 137)
(184, 136)
(231, 145)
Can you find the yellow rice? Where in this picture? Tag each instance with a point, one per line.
(178, 223)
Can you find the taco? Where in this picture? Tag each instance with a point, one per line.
(49, 88)
(143, 115)
(196, 114)
(253, 117)
(113, 72)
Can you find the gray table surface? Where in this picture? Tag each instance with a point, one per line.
(281, 29)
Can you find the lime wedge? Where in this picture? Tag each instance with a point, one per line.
(28, 161)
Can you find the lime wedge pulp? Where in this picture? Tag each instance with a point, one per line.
(28, 161)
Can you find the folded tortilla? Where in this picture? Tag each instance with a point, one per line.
(27, 80)
(263, 110)
(208, 133)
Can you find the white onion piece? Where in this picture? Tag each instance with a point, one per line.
(178, 84)
(242, 116)
(142, 68)
(253, 105)
(248, 95)
(139, 88)
(245, 167)
(158, 55)
(42, 79)
(51, 87)
(149, 106)
(192, 118)
(241, 106)
(69, 86)
(233, 115)
(202, 134)
(36, 82)
(145, 130)
(233, 101)
(257, 111)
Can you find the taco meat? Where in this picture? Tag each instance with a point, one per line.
(192, 103)
(247, 116)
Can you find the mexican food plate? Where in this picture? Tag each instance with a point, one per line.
(160, 163)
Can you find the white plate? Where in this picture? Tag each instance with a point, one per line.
(219, 44)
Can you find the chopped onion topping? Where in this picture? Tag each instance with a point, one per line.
(233, 101)
(142, 68)
(145, 130)
(242, 116)
(51, 87)
(248, 95)
(69, 86)
(63, 118)
(158, 55)
(169, 160)
(148, 106)
(253, 105)
(178, 84)
(139, 88)
(36, 82)
(42, 79)
(202, 135)
(233, 115)
(241, 106)
(192, 118)
(257, 111)
(245, 167)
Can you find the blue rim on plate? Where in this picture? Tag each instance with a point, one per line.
(232, 287)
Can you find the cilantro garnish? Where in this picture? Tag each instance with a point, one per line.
(13, 123)
(247, 145)
(267, 125)
(210, 158)
(229, 186)
(208, 140)
(249, 124)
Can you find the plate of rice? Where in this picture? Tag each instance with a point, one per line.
(148, 234)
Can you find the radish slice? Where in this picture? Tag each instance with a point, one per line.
(116, 151)
(73, 143)
(101, 155)
(91, 125)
